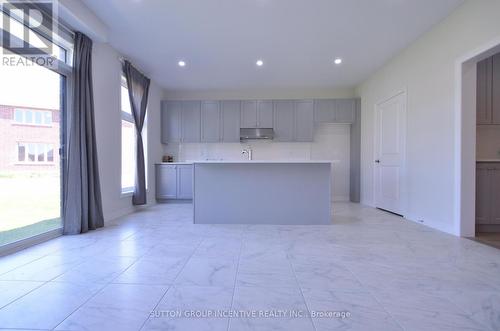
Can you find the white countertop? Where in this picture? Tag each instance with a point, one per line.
(265, 161)
(252, 162)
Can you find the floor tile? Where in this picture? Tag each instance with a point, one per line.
(46, 306)
(152, 270)
(208, 272)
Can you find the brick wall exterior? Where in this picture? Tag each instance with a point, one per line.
(11, 133)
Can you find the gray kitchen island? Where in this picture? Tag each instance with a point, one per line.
(262, 192)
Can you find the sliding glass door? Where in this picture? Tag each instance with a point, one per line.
(32, 113)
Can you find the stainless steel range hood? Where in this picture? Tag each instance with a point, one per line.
(256, 133)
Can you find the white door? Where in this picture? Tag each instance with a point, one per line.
(390, 154)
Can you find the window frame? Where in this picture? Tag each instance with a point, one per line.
(47, 148)
(125, 116)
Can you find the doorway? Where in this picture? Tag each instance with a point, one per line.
(390, 151)
(472, 126)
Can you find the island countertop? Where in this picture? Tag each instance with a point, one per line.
(252, 162)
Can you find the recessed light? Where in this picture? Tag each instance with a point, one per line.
(259, 63)
(181, 63)
(337, 60)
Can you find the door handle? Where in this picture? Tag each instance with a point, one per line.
(377, 161)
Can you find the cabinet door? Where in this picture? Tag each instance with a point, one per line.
(495, 104)
(483, 94)
(283, 120)
(170, 122)
(304, 120)
(345, 110)
(248, 114)
(483, 195)
(191, 122)
(184, 182)
(265, 114)
(495, 194)
(166, 182)
(210, 121)
(230, 121)
(324, 111)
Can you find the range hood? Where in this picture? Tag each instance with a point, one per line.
(256, 133)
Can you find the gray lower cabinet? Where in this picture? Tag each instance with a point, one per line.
(230, 117)
(166, 181)
(210, 121)
(174, 181)
(488, 193)
(171, 121)
(191, 121)
(184, 181)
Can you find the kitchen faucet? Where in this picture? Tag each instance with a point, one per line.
(248, 152)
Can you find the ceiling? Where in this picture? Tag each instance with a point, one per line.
(221, 40)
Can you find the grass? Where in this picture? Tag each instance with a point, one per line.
(9, 236)
(29, 204)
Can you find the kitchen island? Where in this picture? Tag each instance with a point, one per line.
(262, 192)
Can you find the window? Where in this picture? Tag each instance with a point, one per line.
(129, 142)
(33, 117)
(35, 153)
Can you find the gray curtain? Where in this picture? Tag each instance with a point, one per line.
(82, 205)
(138, 89)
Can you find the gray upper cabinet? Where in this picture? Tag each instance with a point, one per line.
(484, 90)
(335, 111)
(495, 95)
(184, 182)
(284, 120)
(248, 114)
(256, 114)
(191, 122)
(345, 111)
(324, 111)
(210, 121)
(171, 121)
(220, 121)
(265, 114)
(488, 91)
(304, 121)
(230, 111)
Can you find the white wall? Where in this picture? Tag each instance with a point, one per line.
(106, 75)
(426, 69)
(331, 142)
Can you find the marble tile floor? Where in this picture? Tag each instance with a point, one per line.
(155, 270)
